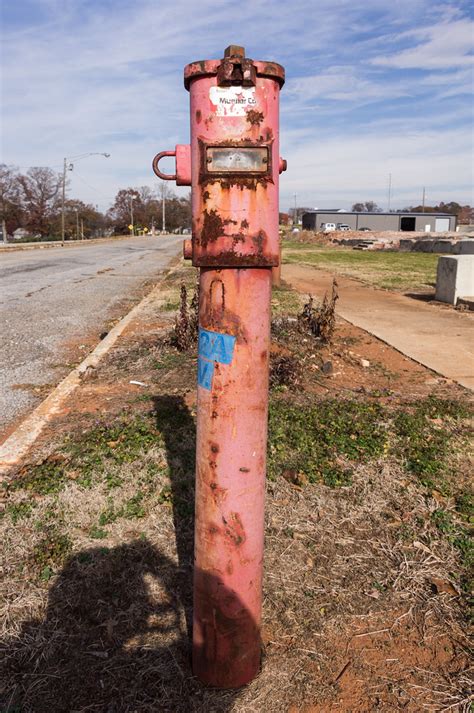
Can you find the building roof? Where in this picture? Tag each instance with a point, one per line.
(364, 212)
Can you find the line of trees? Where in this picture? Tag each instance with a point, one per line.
(464, 213)
(32, 202)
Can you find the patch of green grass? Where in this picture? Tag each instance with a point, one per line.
(19, 511)
(425, 433)
(109, 515)
(50, 552)
(285, 301)
(315, 439)
(389, 270)
(169, 306)
(323, 440)
(42, 479)
(97, 533)
(170, 360)
(133, 508)
(465, 506)
(91, 454)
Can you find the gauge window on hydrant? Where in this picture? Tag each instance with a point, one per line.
(221, 159)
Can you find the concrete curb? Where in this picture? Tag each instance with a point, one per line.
(21, 440)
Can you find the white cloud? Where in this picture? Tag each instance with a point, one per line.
(104, 77)
(338, 171)
(444, 45)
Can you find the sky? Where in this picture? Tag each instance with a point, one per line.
(373, 89)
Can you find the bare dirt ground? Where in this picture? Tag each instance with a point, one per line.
(366, 581)
(428, 332)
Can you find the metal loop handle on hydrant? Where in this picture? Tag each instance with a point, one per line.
(156, 161)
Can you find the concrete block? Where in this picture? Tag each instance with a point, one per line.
(465, 247)
(443, 246)
(454, 278)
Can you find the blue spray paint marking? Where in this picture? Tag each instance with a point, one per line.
(205, 373)
(212, 347)
(216, 346)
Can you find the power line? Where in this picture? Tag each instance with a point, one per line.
(89, 185)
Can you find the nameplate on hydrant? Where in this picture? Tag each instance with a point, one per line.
(212, 347)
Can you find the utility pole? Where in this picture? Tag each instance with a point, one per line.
(77, 223)
(63, 201)
(389, 190)
(423, 201)
(132, 198)
(82, 229)
(295, 215)
(163, 206)
(69, 167)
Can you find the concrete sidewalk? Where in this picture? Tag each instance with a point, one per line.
(437, 337)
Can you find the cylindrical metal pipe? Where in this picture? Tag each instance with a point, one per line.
(276, 271)
(233, 166)
(230, 476)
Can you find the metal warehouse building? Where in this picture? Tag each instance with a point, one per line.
(406, 222)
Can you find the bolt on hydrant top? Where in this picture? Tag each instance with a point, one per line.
(234, 68)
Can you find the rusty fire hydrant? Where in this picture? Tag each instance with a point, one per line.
(233, 166)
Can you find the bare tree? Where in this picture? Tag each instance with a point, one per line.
(40, 188)
(10, 199)
(367, 207)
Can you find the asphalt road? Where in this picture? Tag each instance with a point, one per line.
(52, 298)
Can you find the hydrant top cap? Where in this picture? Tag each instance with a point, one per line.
(209, 67)
(234, 51)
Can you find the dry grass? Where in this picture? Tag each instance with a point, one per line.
(362, 607)
(340, 571)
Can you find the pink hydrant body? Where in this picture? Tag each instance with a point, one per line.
(233, 166)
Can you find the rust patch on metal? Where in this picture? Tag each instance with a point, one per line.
(218, 494)
(214, 448)
(230, 567)
(205, 196)
(216, 301)
(198, 116)
(234, 529)
(244, 470)
(241, 182)
(229, 258)
(244, 224)
(212, 228)
(254, 117)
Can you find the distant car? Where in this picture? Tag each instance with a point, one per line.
(328, 227)
(365, 230)
(343, 226)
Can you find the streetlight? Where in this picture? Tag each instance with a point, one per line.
(163, 206)
(69, 167)
(77, 222)
(132, 198)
